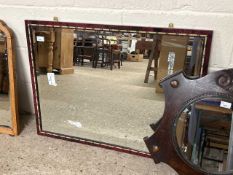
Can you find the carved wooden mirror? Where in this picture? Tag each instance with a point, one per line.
(8, 98)
(195, 133)
(92, 83)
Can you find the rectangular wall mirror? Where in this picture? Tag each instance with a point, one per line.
(98, 84)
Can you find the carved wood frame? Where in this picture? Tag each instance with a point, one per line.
(14, 128)
(180, 92)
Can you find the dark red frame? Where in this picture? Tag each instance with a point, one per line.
(170, 31)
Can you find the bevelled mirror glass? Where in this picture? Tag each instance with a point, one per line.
(98, 84)
(204, 135)
(8, 100)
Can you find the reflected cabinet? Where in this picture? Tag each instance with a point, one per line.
(56, 45)
(8, 94)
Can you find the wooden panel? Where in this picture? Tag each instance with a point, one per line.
(56, 52)
(63, 59)
(212, 108)
(57, 49)
(176, 44)
(42, 55)
(44, 49)
(67, 49)
(2, 47)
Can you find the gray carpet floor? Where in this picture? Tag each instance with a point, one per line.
(116, 106)
(30, 154)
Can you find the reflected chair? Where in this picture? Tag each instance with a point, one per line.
(116, 56)
(107, 54)
(103, 51)
(85, 50)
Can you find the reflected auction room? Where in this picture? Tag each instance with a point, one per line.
(116, 88)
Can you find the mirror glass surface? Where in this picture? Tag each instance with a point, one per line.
(5, 111)
(91, 80)
(204, 135)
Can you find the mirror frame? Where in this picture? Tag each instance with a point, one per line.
(163, 144)
(29, 24)
(14, 128)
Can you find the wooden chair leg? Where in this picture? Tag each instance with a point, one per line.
(82, 61)
(119, 60)
(93, 60)
(155, 68)
(102, 61)
(111, 61)
(96, 58)
(148, 70)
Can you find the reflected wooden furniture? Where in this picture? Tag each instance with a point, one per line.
(14, 128)
(171, 45)
(85, 49)
(4, 77)
(193, 61)
(55, 51)
(115, 58)
(44, 49)
(153, 57)
(85, 53)
(63, 51)
(215, 122)
(103, 52)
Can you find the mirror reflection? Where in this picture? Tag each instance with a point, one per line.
(204, 134)
(5, 113)
(102, 84)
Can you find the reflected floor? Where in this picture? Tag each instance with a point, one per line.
(5, 113)
(109, 106)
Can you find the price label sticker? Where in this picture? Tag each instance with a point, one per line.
(51, 79)
(224, 104)
(40, 38)
(171, 62)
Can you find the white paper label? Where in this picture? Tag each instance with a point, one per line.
(224, 104)
(171, 62)
(40, 38)
(75, 123)
(51, 79)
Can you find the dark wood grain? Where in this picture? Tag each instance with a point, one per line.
(218, 85)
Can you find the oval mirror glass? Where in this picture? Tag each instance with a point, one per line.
(204, 135)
